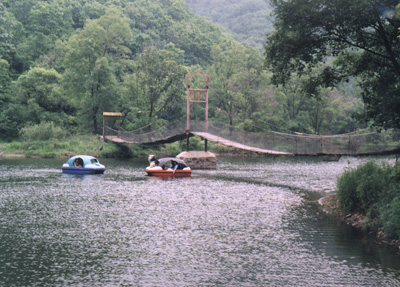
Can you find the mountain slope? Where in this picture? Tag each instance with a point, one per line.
(248, 21)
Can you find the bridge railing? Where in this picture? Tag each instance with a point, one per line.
(364, 142)
(162, 134)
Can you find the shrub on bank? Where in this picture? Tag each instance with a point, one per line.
(374, 191)
(42, 132)
(73, 145)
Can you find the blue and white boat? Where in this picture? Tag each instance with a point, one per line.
(83, 164)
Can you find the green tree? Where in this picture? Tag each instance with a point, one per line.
(293, 98)
(318, 111)
(46, 23)
(11, 32)
(246, 83)
(221, 72)
(92, 10)
(236, 80)
(150, 23)
(132, 104)
(50, 19)
(5, 79)
(8, 116)
(315, 109)
(39, 92)
(21, 9)
(196, 37)
(5, 32)
(246, 20)
(94, 56)
(362, 34)
(160, 82)
(135, 99)
(162, 22)
(101, 93)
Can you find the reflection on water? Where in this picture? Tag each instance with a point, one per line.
(252, 222)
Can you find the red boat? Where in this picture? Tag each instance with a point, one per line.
(168, 166)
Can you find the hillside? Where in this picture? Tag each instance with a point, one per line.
(248, 21)
(64, 63)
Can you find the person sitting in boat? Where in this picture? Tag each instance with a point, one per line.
(78, 163)
(174, 165)
(152, 160)
(154, 163)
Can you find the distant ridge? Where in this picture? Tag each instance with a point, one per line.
(248, 21)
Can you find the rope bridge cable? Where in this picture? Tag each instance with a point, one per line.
(363, 142)
(168, 133)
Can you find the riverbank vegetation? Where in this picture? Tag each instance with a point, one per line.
(360, 38)
(54, 148)
(372, 191)
(335, 42)
(49, 142)
(66, 62)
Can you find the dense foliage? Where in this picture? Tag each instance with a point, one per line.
(65, 62)
(361, 35)
(374, 191)
(248, 21)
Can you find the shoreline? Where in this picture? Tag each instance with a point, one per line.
(328, 203)
(7, 155)
(330, 206)
(234, 153)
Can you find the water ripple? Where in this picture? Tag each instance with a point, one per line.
(250, 223)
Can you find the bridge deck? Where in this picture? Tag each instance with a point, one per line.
(209, 137)
(233, 144)
(274, 143)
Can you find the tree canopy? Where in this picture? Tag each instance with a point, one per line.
(248, 21)
(361, 35)
(65, 62)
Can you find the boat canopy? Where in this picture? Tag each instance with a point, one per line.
(87, 159)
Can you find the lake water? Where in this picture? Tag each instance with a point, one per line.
(251, 222)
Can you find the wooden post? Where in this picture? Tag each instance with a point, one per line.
(321, 144)
(107, 114)
(187, 141)
(196, 97)
(119, 127)
(104, 123)
(205, 142)
(206, 110)
(188, 110)
(187, 117)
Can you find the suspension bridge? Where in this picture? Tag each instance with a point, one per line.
(365, 142)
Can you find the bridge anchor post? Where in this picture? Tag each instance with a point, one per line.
(187, 140)
(199, 159)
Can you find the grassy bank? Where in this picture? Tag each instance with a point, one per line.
(54, 148)
(368, 197)
(92, 145)
(46, 140)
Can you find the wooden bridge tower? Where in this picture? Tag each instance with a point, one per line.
(196, 96)
(115, 115)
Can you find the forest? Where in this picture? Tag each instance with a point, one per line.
(246, 21)
(65, 62)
